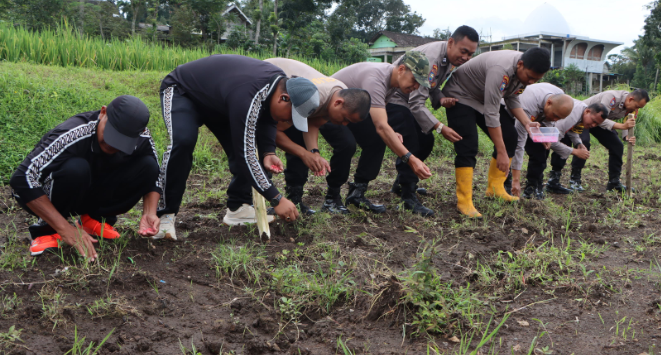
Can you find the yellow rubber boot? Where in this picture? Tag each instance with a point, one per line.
(495, 186)
(464, 178)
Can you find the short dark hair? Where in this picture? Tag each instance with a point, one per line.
(599, 108)
(537, 59)
(357, 101)
(282, 84)
(640, 94)
(465, 31)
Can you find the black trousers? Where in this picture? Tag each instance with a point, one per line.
(418, 143)
(608, 139)
(183, 121)
(371, 144)
(465, 120)
(537, 157)
(343, 143)
(74, 191)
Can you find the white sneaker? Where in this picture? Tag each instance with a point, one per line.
(244, 215)
(167, 230)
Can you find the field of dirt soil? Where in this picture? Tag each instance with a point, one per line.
(573, 274)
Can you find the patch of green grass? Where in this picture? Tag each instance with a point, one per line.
(247, 261)
(436, 303)
(53, 304)
(9, 304)
(10, 339)
(111, 307)
(550, 263)
(79, 347)
(64, 46)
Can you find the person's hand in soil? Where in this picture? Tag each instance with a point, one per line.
(316, 163)
(273, 164)
(419, 168)
(149, 225)
(73, 236)
(79, 239)
(286, 210)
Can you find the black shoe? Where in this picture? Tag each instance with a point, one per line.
(575, 181)
(397, 189)
(411, 202)
(533, 191)
(554, 185)
(357, 198)
(616, 184)
(333, 203)
(508, 183)
(295, 195)
(334, 206)
(575, 185)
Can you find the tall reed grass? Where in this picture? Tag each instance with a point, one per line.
(65, 47)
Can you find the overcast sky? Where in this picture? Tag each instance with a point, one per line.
(618, 21)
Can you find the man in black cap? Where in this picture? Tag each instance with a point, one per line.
(95, 165)
(240, 100)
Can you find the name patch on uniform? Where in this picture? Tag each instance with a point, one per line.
(612, 103)
(503, 85)
(432, 75)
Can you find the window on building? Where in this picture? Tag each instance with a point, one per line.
(596, 52)
(578, 52)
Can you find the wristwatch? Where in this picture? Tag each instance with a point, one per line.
(440, 128)
(276, 200)
(405, 157)
(315, 150)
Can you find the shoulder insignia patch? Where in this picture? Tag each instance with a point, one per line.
(432, 75)
(612, 103)
(503, 85)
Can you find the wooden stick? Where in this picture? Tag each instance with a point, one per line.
(629, 158)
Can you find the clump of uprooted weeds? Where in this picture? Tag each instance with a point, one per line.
(437, 306)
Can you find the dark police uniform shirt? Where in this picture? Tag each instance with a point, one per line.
(73, 138)
(237, 89)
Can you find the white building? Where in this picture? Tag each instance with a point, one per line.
(546, 27)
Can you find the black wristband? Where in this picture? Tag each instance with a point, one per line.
(315, 150)
(405, 157)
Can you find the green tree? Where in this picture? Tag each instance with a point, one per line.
(37, 14)
(363, 18)
(574, 79)
(442, 35)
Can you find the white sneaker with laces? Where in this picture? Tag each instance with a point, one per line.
(167, 230)
(243, 215)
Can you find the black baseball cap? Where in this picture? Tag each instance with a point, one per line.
(127, 118)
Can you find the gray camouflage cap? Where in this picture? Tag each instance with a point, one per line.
(419, 65)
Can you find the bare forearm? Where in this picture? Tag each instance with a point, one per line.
(392, 141)
(150, 202)
(497, 138)
(45, 210)
(283, 142)
(516, 175)
(311, 138)
(521, 116)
